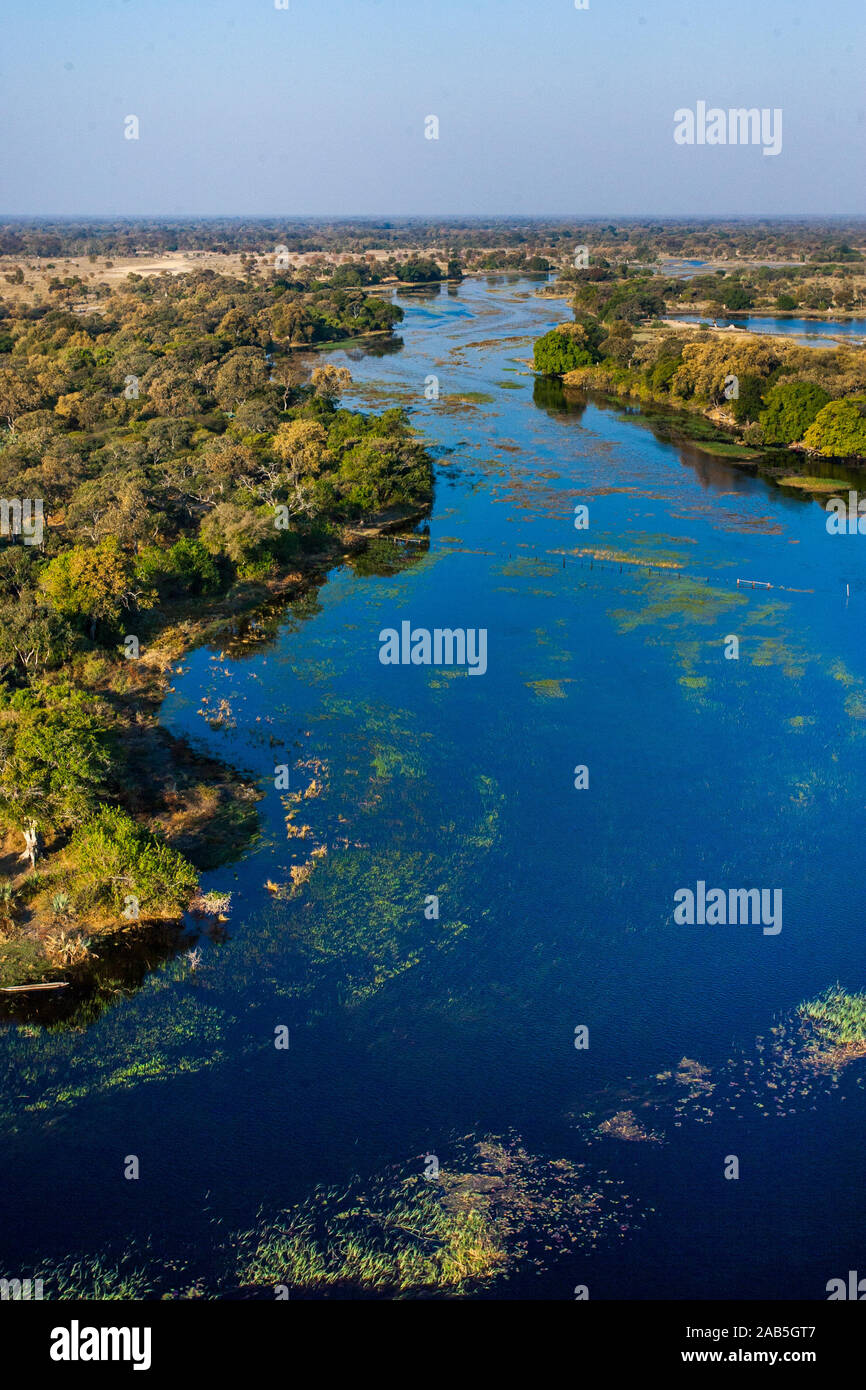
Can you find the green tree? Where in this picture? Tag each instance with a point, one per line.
(559, 352)
(790, 408)
(736, 298)
(93, 584)
(839, 429)
(54, 757)
(746, 406)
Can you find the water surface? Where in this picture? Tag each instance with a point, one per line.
(605, 649)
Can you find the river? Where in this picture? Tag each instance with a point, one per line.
(606, 649)
(806, 331)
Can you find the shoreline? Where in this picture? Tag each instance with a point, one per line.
(181, 634)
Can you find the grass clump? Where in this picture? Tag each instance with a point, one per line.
(838, 1019)
(493, 1206)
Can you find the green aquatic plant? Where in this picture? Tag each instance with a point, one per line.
(421, 1228)
(801, 1056)
(96, 1278)
(453, 1228)
(837, 1017)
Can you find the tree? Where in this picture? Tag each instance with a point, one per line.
(242, 374)
(116, 504)
(619, 344)
(790, 408)
(188, 568)
(329, 381)
(32, 635)
(839, 429)
(241, 533)
(18, 394)
(746, 406)
(736, 297)
(301, 445)
(287, 376)
(93, 584)
(419, 269)
(53, 757)
(170, 390)
(559, 352)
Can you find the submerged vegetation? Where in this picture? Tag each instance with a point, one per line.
(420, 1229)
(802, 1056)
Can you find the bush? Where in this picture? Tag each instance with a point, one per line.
(188, 567)
(115, 859)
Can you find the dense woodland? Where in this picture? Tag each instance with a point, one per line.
(181, 451)
(785, 239)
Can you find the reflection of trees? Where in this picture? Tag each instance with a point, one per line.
(120, 969)
(549, 394)
(432, 291)
(388, 555)
(374, 347)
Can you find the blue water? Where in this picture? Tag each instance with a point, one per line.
(804, 329)
(555, 904)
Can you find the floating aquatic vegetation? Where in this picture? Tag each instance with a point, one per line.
(801, 1057)
(838, 1023)
(548, 689)
(813, 484)
(487, 1209)
(491, 1208)
(625, 1125)
(211, 904)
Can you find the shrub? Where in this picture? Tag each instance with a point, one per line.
(114, 858)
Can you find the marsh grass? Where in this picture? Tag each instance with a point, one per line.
(492, 1207)
(801, 1057)
(837, 1018)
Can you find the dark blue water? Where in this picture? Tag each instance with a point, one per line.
(605, 649)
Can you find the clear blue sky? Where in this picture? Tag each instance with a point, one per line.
(246, 109)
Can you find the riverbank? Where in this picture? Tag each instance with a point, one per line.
(201, 807)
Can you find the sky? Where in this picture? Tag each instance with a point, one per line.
(321, 108)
